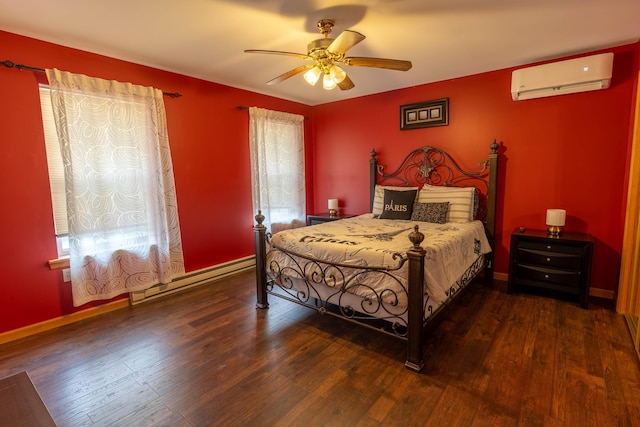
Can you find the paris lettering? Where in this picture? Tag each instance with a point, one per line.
(395, 208)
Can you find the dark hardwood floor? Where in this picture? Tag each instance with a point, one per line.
(207, 356)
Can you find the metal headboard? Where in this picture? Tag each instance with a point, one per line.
(434, 166)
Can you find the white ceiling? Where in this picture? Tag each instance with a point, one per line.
(442, 38)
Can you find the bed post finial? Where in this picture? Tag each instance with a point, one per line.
(416, 238)
(494, 147)
(259, 218)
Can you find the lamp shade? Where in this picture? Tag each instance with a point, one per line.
(312, 76)
(327, 82)
(333, 203)
(556, 217)
(337, 74)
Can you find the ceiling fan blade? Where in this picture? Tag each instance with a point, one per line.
(279, 52)
(290, 73)
(346, 84)
(391, 64)
(345, 41)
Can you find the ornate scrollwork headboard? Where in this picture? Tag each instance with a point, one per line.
(434, 166)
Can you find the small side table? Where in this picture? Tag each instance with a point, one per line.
(324, 217)
(561, 264)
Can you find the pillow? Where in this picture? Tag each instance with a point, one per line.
(461, 201)
(378, 198)
(430, 212)
(476, 197)
(398, 204)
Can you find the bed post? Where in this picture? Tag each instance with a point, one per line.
(492, 193)
(373, 169)
(415, 315)
(260, 234)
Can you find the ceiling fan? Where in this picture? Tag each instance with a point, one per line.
(326, 53)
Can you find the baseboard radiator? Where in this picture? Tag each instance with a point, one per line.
(195, 278)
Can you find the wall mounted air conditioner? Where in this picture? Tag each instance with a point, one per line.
(563, 77)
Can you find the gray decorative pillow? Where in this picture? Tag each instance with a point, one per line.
(398, 204)
(430, 212)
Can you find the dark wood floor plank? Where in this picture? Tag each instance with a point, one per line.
(529, 418)
(83, 377)
(154, 413)
(86, 403)
(207, 356)
(127, 405)
(538, 395)
(417, 398)
(455, 408)
(273, 396)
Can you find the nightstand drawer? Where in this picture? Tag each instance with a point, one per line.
(548, 275)
(553, 259)
(552, 246)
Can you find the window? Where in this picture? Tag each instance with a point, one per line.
(277, 166)
(132, 235)
(114, 170)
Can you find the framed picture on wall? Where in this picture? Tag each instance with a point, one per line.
(424, 114)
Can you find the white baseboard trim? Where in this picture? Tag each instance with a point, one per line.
(194, 278)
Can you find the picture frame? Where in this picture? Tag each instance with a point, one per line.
(424, 114)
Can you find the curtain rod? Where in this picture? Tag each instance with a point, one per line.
(243, 107)
(21, 67)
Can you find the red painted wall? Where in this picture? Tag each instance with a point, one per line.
(209, 145)
(570, 151)
(566, 152)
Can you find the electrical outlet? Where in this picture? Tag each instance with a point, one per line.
(66, 275)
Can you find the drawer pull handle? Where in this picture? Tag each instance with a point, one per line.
(546, 276)
(548, 259)
(548, 246)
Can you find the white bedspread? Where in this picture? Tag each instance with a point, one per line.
(363, 240)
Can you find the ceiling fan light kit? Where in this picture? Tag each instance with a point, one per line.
(337, 74)
(313, 75)
(326, 53)
(328, 83)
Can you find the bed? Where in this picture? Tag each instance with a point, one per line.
(430, 232)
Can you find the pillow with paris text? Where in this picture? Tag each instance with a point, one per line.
(378, 198)
(398, 204)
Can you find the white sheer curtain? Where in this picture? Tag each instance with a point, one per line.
(277, 167)
(124, 233)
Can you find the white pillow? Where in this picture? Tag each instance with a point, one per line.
(378, 198)
(461, 201)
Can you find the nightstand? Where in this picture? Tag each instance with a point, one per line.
(324, 217)
(560, 264)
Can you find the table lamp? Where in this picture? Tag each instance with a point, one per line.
(333, 207)
(555, 220)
